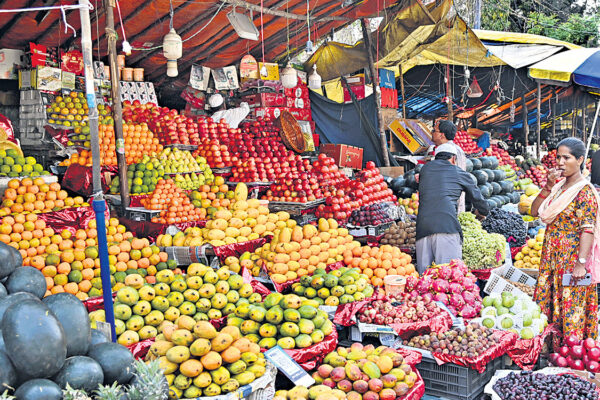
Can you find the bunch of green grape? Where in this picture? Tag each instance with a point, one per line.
(481, 250)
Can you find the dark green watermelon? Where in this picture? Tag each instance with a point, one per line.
(490, 174)
(27, 279)
(496, 188)
(397, 184)
(485, 191)
(474, 179)
(500, 175)
(10, 259)
(116, 361)
(74, 319)
(80, 372)
(2, 346)
(3, 292)
(97, 337)
(8, 375)
(486, 162)
(11, 299)
(481, 177)
(476, 163)
(39, 389)
(34, 338)
(493, 161)
(468, 165)
(507, 186)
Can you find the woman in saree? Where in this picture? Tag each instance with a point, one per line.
(568, 205)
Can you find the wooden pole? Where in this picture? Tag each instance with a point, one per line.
(583, 119)
(376, 91)
(449, 95)
(574, 119)
(111, 35)
(402, 92)
(525, 112)
(554, 116)
(539, 120)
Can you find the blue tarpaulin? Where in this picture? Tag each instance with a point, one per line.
(341, 124)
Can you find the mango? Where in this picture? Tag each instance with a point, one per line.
(221, 342)
(244, 378)
(191, 368)
(371, 369)
(257, 313)
(204, 330)
(275, 314)
(237, 367)
(303, 341)
(182, 337)
(203, 380)
(230, 386)
(211, 360)
(242, 344)
(192, 392)
(175, 393)
(306, 326)
(178, 354)
(249, 357)
(290, 301)
(212, 390)
(249, 327)
(220, 375)
(286, 343)
(291, 315)
(317, 336)
(289, 329)
(159, 348)
(267, 343)
(317, 390)
(168, 366)
(356, 355)
(385, 364)
(257, 370)
(353, 372)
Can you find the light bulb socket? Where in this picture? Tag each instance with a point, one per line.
(172, 68)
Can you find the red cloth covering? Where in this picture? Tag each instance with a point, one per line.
(525, 352)
(70, 218)
(309, 358)
(140, 349)
(237, 249)
(418, 390)
(482, 274)
(440, 323)
(78, 179)
(151, 230)
(506, 342)
(135, 200)
(96, 303)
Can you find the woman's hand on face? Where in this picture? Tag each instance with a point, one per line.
(551, 178)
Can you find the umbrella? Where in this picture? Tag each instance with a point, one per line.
(581, 66)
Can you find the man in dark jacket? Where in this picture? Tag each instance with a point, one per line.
(441, 182)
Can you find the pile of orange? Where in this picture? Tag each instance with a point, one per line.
(36, 196)
(379, 262)
(83, 157)
(26, 233)
(71, 262)
(175, 206)
(139, 141)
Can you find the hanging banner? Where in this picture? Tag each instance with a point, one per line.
(225, 78)
(199, 77)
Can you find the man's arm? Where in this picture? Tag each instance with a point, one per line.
(473, 193)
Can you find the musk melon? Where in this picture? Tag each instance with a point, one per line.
(27, 279)
(8, 375)
(97, 337)
(74, 319)
(116, 362)
(3, 291)
(11, 299)
(39, 389)
(10, 259)
(34, 339)
(80, 372)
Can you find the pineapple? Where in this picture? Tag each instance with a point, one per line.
(6, 396)
(148, 383)
(74, 394)
(113, 392)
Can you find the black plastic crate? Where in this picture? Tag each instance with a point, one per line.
(454, 382)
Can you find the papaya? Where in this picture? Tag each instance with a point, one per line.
(73, 317)
(27, 279)
(80, 372)
(116, 362)
(11, 260)
(37, 389)
(39, 330)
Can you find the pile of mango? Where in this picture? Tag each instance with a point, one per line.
(340, 286)
(530, 255)
(203, 294)
(199, 361)
(285, 320)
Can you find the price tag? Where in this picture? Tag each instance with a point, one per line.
(289, 367)
(355, 334)
(387, 339)
(104, 327)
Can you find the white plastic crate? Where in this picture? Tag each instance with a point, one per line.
(501, 278)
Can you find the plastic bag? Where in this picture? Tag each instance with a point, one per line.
(440, 323)
(78, 179)
(525, 352)
(70, 218)
(140, 349)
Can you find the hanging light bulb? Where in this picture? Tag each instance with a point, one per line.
(289, 76)
(263, 71)
(314, 79)
(126, 48)
(172, 50)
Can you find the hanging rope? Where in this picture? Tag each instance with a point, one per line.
(170, 14)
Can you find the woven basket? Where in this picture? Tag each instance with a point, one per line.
(290, 131)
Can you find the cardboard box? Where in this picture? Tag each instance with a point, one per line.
(344, 155)
(392, 172)
(10, 61)
(358, 90)
(268, 112)
(298, 92)
(406, 135)
(272, 71)
(297, 102)
(301, 114)
(265, 100)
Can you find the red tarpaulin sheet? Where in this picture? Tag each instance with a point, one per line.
(526, 352)
(78, 179)
(140, 349)
(482, 274)
(151, 230)
(70, 218)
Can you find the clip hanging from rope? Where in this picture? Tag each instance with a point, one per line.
(67, 25)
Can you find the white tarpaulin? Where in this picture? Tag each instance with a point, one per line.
(522, 55)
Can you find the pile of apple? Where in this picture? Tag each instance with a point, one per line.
(578, 354)
(401, 308)
(168, 125)
(549, 160)
(270, 168)
(328, 172)
(502, 155)
(466, 143)
(216, 154)
(452, 284)
(538, 174)
(302, 189)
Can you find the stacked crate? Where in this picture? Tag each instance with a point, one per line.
(32, 117)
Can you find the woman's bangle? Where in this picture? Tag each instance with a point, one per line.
(542, 196)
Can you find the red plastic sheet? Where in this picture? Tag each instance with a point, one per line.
(257, 286)
(525, 352)
(507, 340)
(78, 179)
(61, 135)
(440, 323)
(411, 357)
(237, 249)
(151, 230)
(345, 312)
(7, 126)
(482, 274)
(70, 218)
(418, 390)
(96, 303)
(140, 349)
(312, 356)
(514, 251)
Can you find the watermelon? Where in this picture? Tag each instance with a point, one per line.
(494, 161)
(80, 372)
(39, 389)
(476, 163)
(481, 177)
(11, 299)
(499, 175)
(34, 339)
(496, 188)
(468, 165)
(10, 260)
(3, 292)
(97, 337)
(486, 162)
(116, 362)
(27, 279)
(74, 319)
(8, 375)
